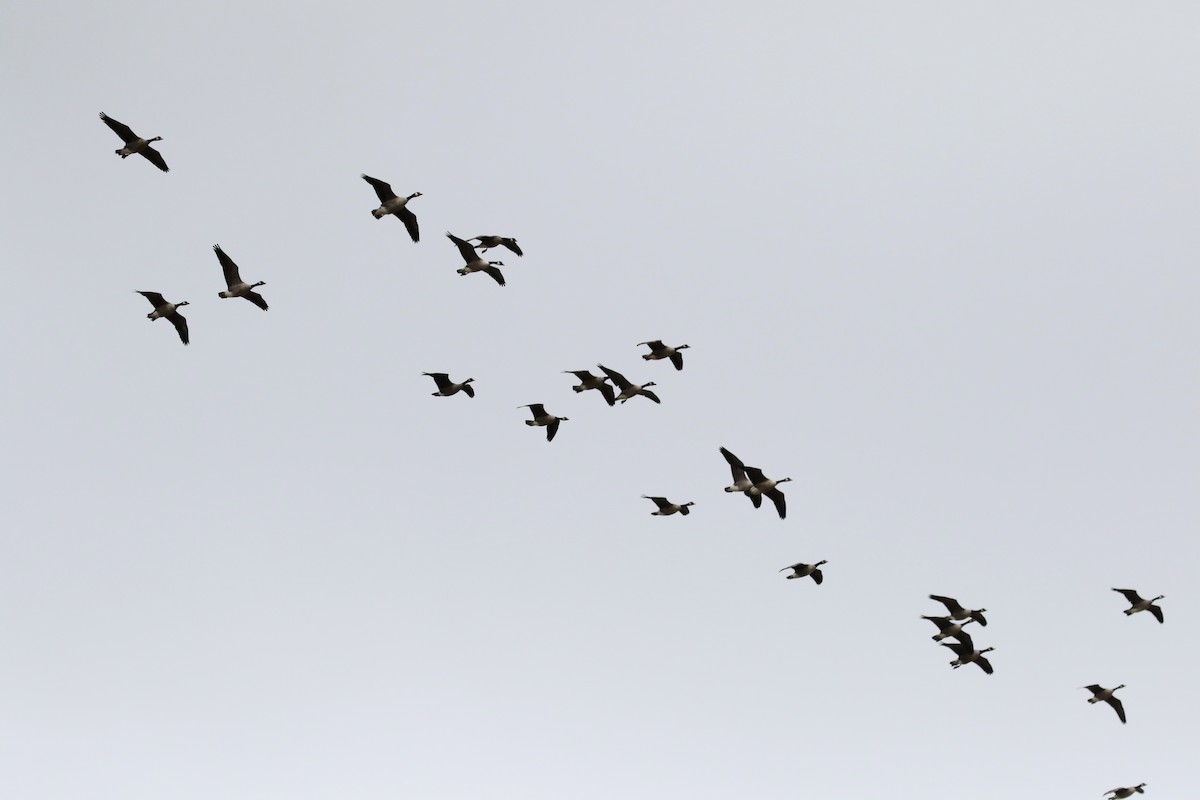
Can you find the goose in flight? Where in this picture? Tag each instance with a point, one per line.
(446, 387)
(391, 204)
(1099, 693)
(967, 654)
(474, 262)
(629, 390)
(659, 350)
(169, 310)
(740, 482)
(541, 418)
(958, 612)
(488, 242)
(589, 381)
(666, 508)
(237, 286)
(1125, 791)
(762, 485)
(947, 628)
(801, 570)
(1136, 604)
(135, 143)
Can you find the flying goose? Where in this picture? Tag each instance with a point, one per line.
(446, 387)
(762, 485)
(666, 508)
(659, 350)
(169, 310)
(474, 262)
(967, 654)
(958, 612)
(135, 143)
(1125, 791)
(391, 204)
(946, 628)
(1138, 604)
(237, 286)
(1099, 693)
(589, 381)
(488, 242)
(801, 570)
(740, 482)
(541, 418)
(629, 390)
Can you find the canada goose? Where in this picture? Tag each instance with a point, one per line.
(237, 286)
(1138, 604)
(800, 570)
(762, 485)
(391, 204)
(169, 310)
(590, 381)
(659, 350)
(1099, 693)
(488, 242)
(666, 508)
(740, 482)
(135, 143)
(446, 387)
(946, 628)
(967, 654)
(1126, 791)
(958, 612)
(474, 262)
(540, 417)
(629, 390)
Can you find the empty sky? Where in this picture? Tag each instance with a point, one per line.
(936, 262)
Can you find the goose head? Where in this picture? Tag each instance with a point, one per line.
(782, 480)
(1160, 597)
(414, 194)
(1122, 686)
(260, 283)
(182, 303)
(986, 650)
(468, 380)
(651, 383)
(155, 139)
(819, 563)
(682, 347)
(496, 263)
(563, 419)
(689, 504)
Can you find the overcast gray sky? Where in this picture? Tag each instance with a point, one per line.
(936, 262)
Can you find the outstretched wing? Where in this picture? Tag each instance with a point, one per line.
(155, 158)
(984, 664)
(155, 298)
(382, 190)
(511, 244)
(655, 345)
(410, 221)
(735, 465)
(661, 502)
(1157, 612)
(817, 576)
(615, 376)
(551, 429)
(537, 409)
(256, 298)
(755, 474)
(496, 274)
(949, 602)
(677, 360)
(609, 395)
(1130, 595)
(119, 128)
(650, 394)
(442, 379)
(464, 247)
(227, 266)
(780, 503)
(1120, 709)
(180, 326)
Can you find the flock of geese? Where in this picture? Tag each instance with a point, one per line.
(747, 480)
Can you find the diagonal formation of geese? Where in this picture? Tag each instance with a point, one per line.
(541, 418)
(170, 311)
(447, 387)
(135, 144)
(233, 280)
(390, 203)
(659, 350)
(475, 262)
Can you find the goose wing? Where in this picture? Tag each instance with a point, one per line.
(551, 429)
(965, 639)
(1157, 612)
(583, 374)
(180, 326)
(410, 222)
(780, 502)
(797, 566)
(256, 298)
(1132, 596)
(735, 465)
(655, 345)
(232, 276)
(155, 157)
(537, 409)
(756, 499)
(984, 664)
(442, 379)
(512, 245)
(756, 475)
(650, 394)
(468, 390)
(615, 377)
(156, 299)
(941, 622)
(1094, 688)
(382, 190)
(958, 647)
(817, 576)
(978, 617)
(949, 602)
(464, 247)
(677, 360)
(609, 395)
(119, 128)
(1116, 704)
(496, 274)
(662, 502)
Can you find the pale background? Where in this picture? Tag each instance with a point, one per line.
(936, 261)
